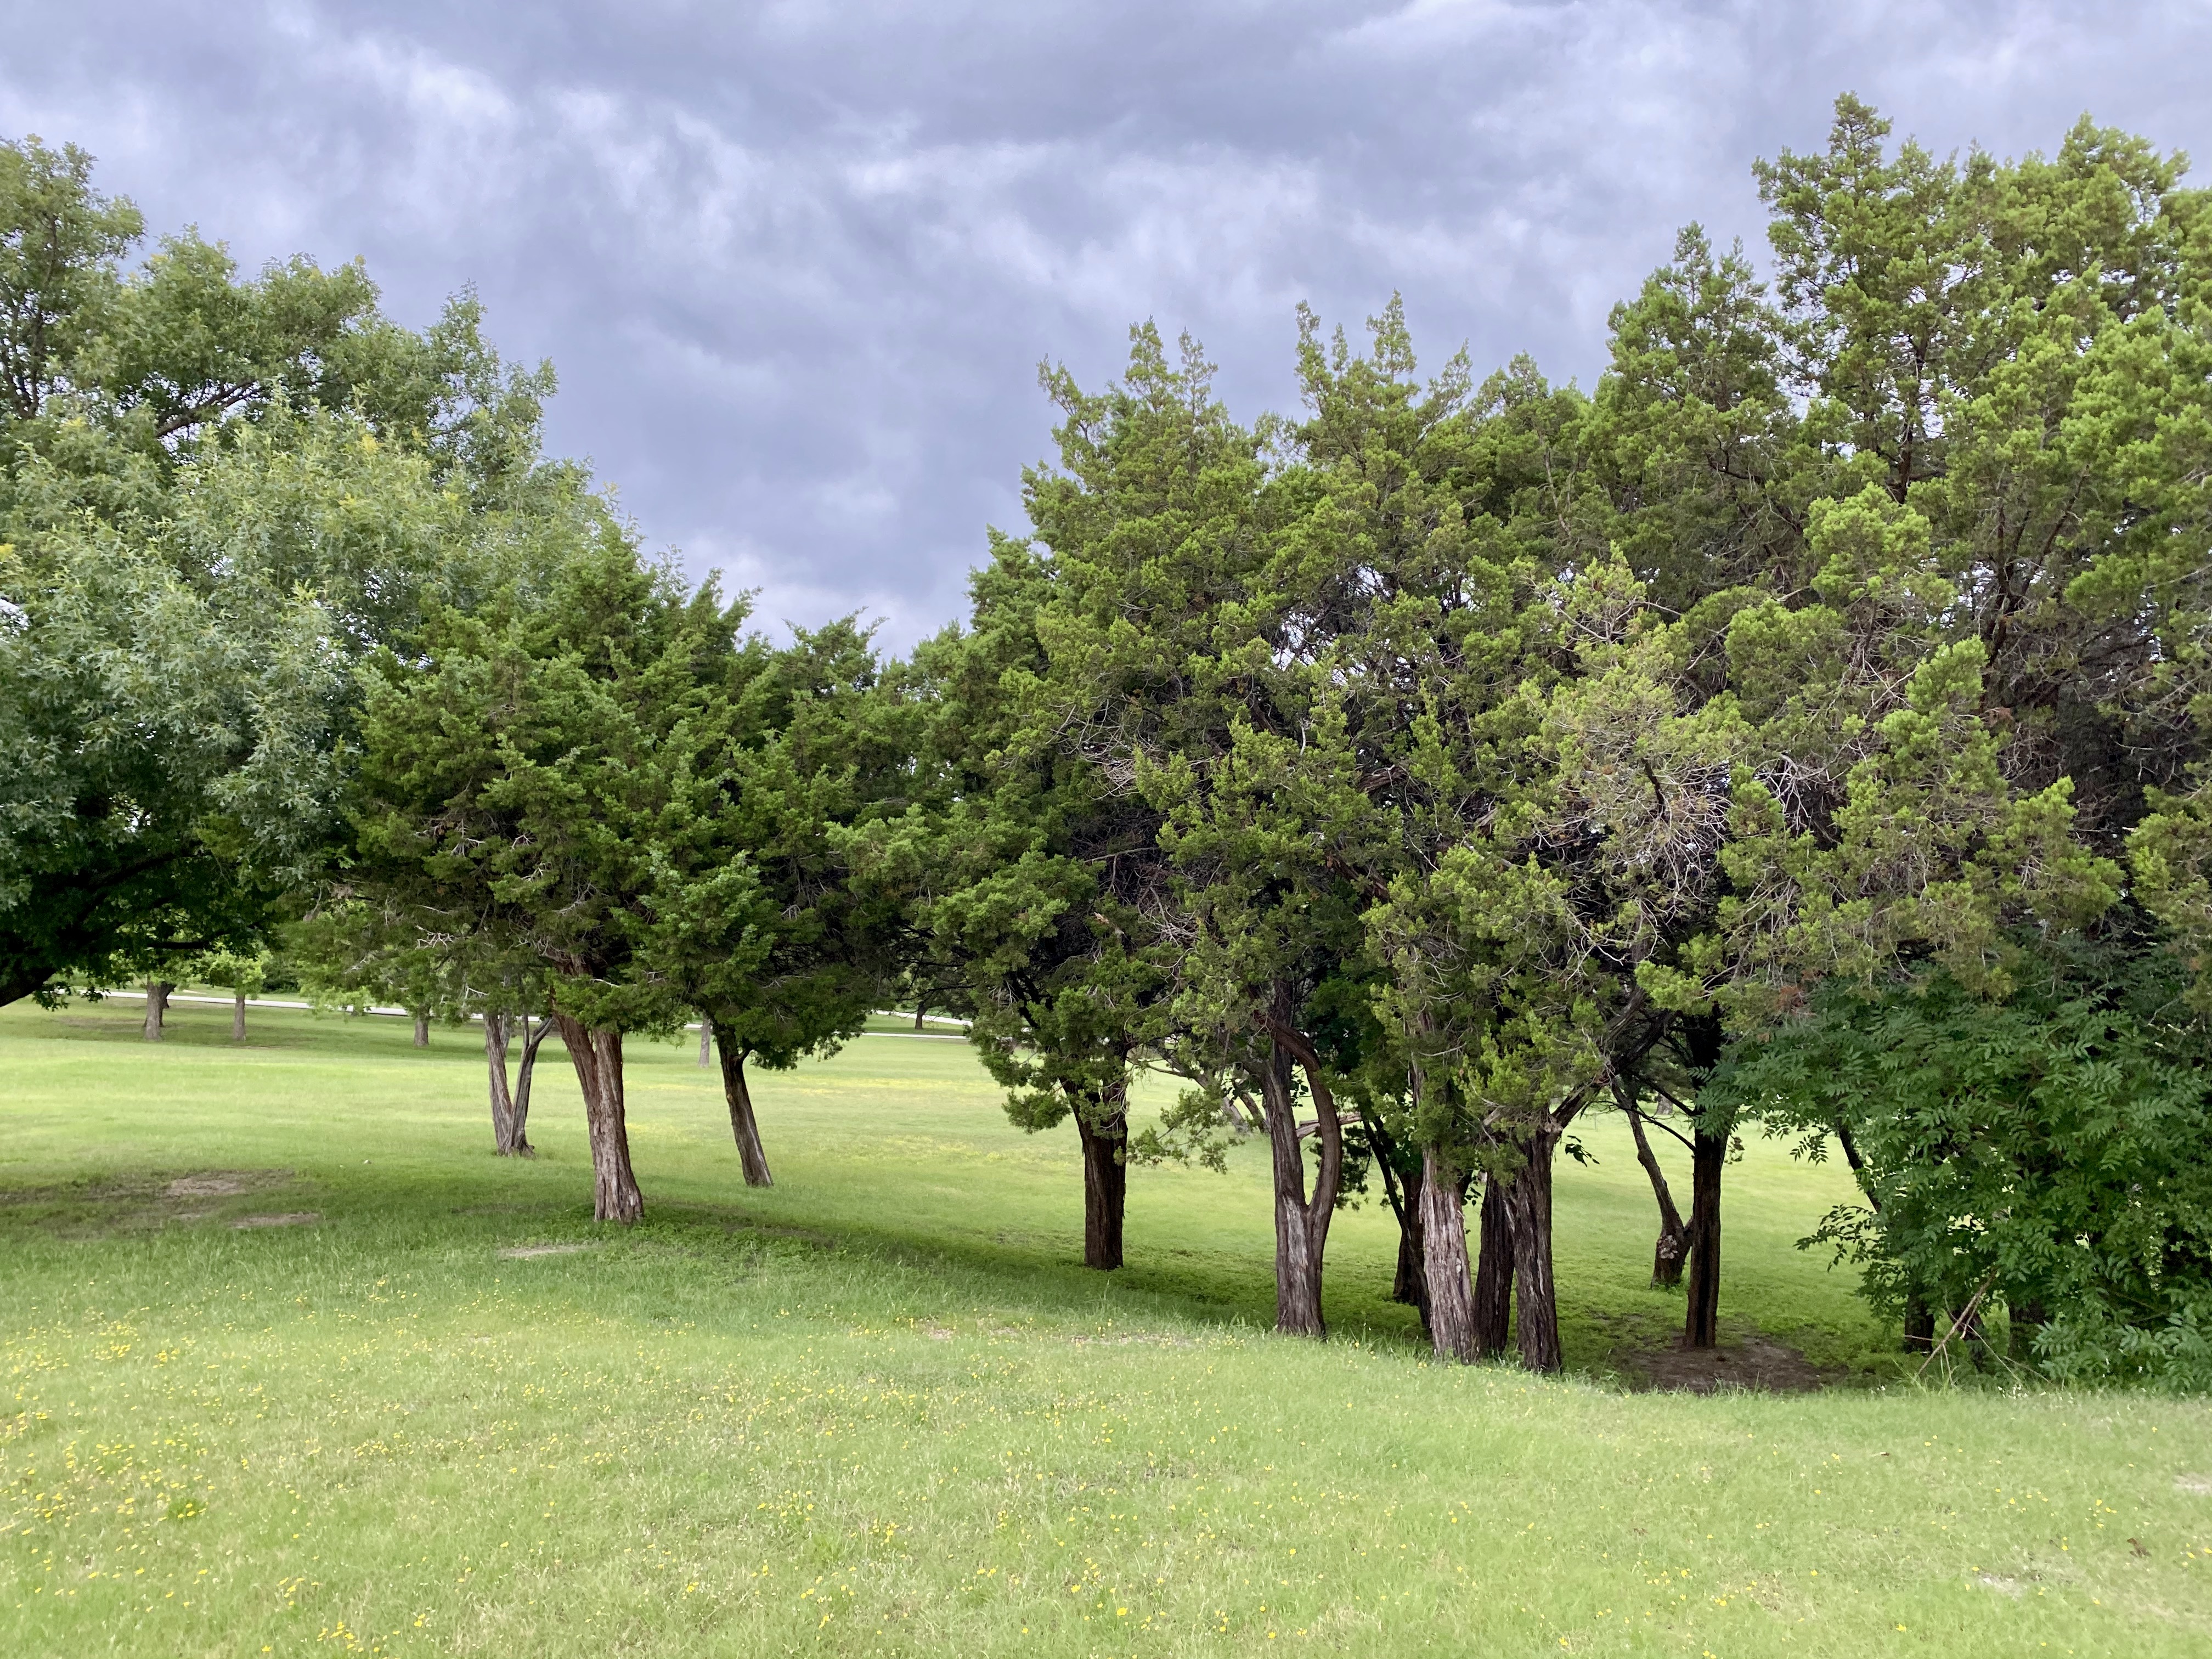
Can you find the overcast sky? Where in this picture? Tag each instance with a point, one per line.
(797, 263)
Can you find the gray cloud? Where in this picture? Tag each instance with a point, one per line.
(797, 262)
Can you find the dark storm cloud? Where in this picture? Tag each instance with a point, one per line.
(797, 263)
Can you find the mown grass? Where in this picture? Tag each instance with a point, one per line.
(875, 1410)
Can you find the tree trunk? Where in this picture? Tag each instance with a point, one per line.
(1528, 1210)
(502, 1102)
(1443, 1248)
(743, 1125)
(1701, 1323)
(531, 1042)
(1301, 1226)
(1494, 1278)
(422, 1031)
(508, 1140)
(597, 1056)
(1673, 1238)
(157, 1005)
(1410, 1284)
(1105, 1181)
(237, 1016)
(918, 1011)
(1919, 1324)
(706, 1041)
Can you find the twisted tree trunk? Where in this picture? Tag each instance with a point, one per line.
(531, 1042)
(508, 1115)
(1105, 1179)
(1666, 1255)
(597, 1056)
(1493, 1280)
(745, 1127)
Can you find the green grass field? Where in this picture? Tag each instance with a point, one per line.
(423, 1406)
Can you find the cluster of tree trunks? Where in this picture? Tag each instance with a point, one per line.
(1468, 1302)
(1301, 1222)
(510, 1107)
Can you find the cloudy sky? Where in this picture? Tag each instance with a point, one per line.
(797, 262)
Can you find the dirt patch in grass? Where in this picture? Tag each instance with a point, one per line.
(289, 1219)
(1755, 1361)
(528, 1252)
(108, 1205)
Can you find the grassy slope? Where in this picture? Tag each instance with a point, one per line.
(721, 1434)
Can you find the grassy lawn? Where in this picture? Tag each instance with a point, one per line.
(425, 1406)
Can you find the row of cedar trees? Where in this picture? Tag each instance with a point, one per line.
(1415, 776)
(1409, 778)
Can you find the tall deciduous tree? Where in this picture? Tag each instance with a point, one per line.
(214, 493)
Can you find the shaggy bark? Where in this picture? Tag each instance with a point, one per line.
(597, 1056)
(1494, 1280)
(745, 1127)
(1450, 1287)
(1528, 1210)
(1105, 1136)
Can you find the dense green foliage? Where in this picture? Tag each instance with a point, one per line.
(1815, 705)
(215, 495)
(2044, 1154)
